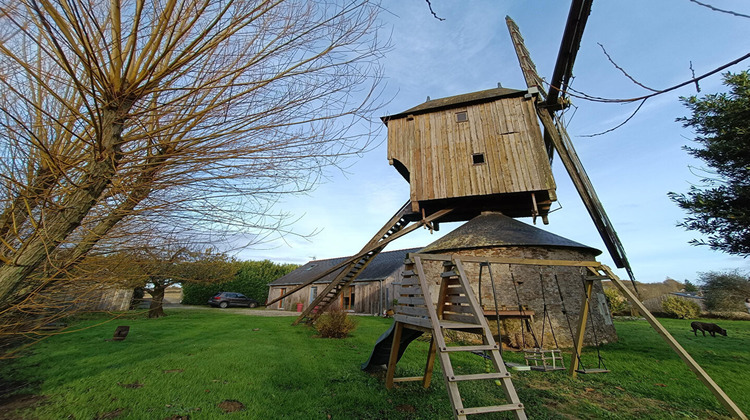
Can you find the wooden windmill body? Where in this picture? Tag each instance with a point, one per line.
(480, 151)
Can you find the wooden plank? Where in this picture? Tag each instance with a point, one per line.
(460, 318)
(450, 137)
(457, 299)
(419, 311)
(477, 146)
(478, 376)
(522, 166)
(491, 409)
(529, 114)
(429, 366)
(580, 334)
(411, 301)
(503, 260)
(393, 357)
(413, 320)
(409, 281)
(416, 174)
(455, 325)
(409, 290)
(469, 348)
(494, 139)
(408, 379)
(501, 140)
(439, 130)
(460, 309)
(684, 355)
(509, 146)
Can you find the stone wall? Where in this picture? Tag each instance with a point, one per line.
(533, 292)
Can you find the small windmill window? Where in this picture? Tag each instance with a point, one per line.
(462, 116)
(478, 158)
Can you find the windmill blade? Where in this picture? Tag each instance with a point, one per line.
(558, 138)
(571, 41)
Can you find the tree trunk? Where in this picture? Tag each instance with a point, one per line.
(156, 310)
(78, 203)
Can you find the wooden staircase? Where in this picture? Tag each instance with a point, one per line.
(457, 309)
(394, 229)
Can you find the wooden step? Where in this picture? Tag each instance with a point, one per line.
(454, 325)
(470, 348)
(451, 273)
(479, 376)
(466, 411)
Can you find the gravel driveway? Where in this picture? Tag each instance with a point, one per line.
(245, 311)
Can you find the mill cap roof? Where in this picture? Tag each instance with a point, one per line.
(472, 98)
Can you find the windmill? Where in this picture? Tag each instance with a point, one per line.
(485, 151)
(482, 151)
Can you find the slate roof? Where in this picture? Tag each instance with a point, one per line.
(492, 229)
(382, 266)
(472, 98)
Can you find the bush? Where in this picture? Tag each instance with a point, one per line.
(335, 323)
(725, 291)
(680, 308)
(617, 303)
(251, 280)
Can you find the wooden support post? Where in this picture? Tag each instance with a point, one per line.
(397, 329)
(684, 355)
(430, 363)
(581, 329)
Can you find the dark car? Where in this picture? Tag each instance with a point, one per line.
(225, 299)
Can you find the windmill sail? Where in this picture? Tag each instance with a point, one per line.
(557, 137)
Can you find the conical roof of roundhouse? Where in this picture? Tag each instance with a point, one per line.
(490, 230)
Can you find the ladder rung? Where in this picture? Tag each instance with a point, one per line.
(469, 348)
(459, 325)
(490, 409)
(479, 376)
(451, 273)
(409, 379)
(409, 273)
(448, 264)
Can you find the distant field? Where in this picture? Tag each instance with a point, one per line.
(201, 363)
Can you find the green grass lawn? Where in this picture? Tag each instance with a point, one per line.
(191, 361)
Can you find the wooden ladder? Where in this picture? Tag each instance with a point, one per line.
(457, 309)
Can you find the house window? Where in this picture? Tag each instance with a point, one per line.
(462, 116)
(347, 298)
(313, 293)
(477, 158)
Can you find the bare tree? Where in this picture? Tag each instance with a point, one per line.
(159, 265)
(203, 111)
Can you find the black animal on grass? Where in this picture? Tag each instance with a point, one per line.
(705, 326)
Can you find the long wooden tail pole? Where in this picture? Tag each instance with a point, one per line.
(684, 355)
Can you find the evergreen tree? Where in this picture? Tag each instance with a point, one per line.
(720, 207)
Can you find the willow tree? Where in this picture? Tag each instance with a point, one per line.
(200, 110)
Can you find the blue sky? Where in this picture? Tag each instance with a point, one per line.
(632, 168)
